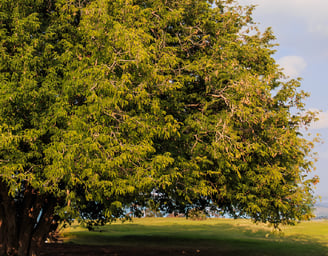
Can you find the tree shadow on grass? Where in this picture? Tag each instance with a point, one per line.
(221, 239)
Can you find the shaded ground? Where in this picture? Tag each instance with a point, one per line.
(86, 250)
(180, 237)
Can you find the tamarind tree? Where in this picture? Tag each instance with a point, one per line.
(107, 104)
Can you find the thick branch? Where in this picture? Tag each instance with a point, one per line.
(43, 227)
(30, 211)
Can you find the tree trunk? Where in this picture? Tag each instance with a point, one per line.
(2, 231)
(25, 222)
(43, 228)
(31, 208)
(9, 225)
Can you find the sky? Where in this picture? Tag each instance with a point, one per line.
(301, 29)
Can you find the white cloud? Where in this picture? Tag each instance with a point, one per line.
(322, 123)
(293, 65)
(313, 13)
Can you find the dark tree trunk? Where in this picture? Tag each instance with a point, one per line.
(31, 208)
(25, 221)
(9, 225)
(44, 227)
(2, 230)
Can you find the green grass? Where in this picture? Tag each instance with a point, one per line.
(215, 236)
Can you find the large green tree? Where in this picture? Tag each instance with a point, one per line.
(106, 104)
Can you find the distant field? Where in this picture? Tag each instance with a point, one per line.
(179, 236)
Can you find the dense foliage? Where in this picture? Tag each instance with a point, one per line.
(107, 104)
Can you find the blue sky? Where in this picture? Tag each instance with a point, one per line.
(301, 28)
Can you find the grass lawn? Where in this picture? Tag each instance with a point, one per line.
(208, 237)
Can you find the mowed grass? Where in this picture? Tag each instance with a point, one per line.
(208, 237)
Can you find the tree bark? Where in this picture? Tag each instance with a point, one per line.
(25, 222)
(9, 224)
(43, 228)
(2, 230)
(31, 208)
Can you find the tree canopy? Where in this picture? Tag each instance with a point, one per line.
(107, 104)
